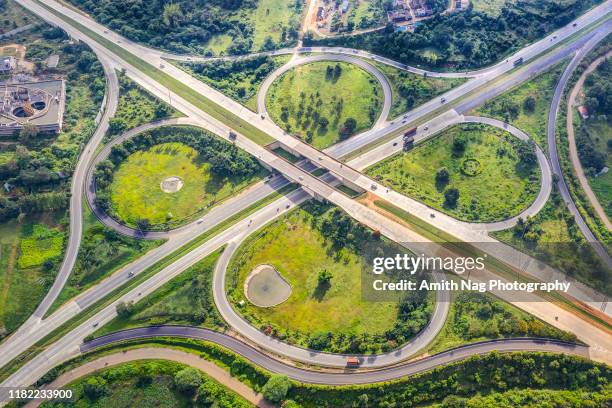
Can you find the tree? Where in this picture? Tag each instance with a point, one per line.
(172, 15)
(529, 104)
(188, 380)
(459, 145)
(442, 177)
(323, 122)
(27, 133)
(277, 387)
(125, 310)
(94, 387)
(451, 196)
(325, 277)
(143, 224)
(268, 44)
(526, 152)
(350, 124)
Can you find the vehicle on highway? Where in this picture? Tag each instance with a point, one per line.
(352, 362)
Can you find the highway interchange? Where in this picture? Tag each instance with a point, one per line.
(68, 346)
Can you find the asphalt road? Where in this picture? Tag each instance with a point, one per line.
(294, 62)
(348, 376)
(552, 143)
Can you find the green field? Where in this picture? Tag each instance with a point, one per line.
(366, 13)
(600, 133)
(30, 253)
(136, 193)
(339, 310)
(329, 317)
(411, 90)
(510, 107)
(272, 18)
(307, 97)
(490, 7)
(238, 79)
(501, 188)
(186, 299)
(148, 384)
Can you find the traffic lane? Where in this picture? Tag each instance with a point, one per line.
(348, 376)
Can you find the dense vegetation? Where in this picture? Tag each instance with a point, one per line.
(598, 100)
(594, 135)
(38, 167)
(492, 375)
(325, 310)
(227, 164)
(152, 384)
(469, 39)
(35, 171)
(188, 26)
(240, 79)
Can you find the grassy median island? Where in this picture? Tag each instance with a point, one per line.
(186, 299)
(325, 310)
(477, 317)
(151, 383)
(325, 102)
(167, 176)
(472, 172)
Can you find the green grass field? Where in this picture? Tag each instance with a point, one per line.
(502, 187)
(271, 16)
(30, 252)
(489, 7)
(510, 107)
(136, 193)
(366, 13)
(302, 97)
(411, 90)
(600, 132)
(309, 309)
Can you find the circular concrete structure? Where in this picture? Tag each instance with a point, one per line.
(266, 287)
(171, 184)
